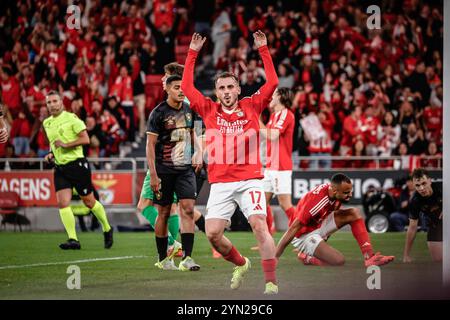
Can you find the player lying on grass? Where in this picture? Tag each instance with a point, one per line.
(317, 216)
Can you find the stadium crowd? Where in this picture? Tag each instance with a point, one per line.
(374, 92)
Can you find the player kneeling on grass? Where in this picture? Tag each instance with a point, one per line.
(317, 216)
(428, 200)
(67, 134)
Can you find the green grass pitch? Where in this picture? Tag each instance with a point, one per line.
(33, 267)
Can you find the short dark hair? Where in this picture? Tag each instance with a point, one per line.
(339, 178)
(223, 75)
(172, 79)
(53, 93)
(286, 96)
(174, 68)
(419, 173)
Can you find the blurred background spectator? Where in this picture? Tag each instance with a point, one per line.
(380, 88)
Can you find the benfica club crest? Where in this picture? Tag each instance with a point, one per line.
(104, 183)
(239, 113)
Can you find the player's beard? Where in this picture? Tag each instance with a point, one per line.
(230, 102)
(56, 111)
(345, 200)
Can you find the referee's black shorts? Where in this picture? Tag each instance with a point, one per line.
(75, 174)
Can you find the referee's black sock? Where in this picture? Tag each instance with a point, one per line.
(161, 244)
(200, 223)
(187, 243)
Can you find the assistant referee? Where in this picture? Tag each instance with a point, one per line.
(67, 134)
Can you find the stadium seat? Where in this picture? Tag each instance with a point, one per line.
(9, 205)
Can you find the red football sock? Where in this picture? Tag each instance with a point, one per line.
(269, 219)
(362, 236)
(317, 262)
(235, 257)
(311, 260)
(269, 266)
(314, 261)
(290, 212)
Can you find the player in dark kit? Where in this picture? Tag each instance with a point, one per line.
(427, 200)
(169, 152)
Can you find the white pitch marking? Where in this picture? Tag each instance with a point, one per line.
(70, 262)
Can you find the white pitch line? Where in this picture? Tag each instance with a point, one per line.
(70, 262)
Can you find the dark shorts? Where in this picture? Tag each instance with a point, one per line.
(200, 179)
(435, 232)
(182, 183)
(75, 174)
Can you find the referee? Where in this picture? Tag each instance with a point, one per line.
(67, 135)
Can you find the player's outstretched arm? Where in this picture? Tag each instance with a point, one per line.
(271, 75)
(196, 99)
(197, 42)
(260, 39)
(262, 98)
(287, 237)
(410, 236)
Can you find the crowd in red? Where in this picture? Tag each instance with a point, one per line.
(375, 92)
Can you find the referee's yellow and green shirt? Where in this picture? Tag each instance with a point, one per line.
(65, 127)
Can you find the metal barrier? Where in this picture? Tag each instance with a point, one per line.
(144, 165)
(140, 163)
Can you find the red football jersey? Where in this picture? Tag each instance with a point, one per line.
(279, 157)
(232, 139)
(313, 208)
(433, 118)
(370, 134)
